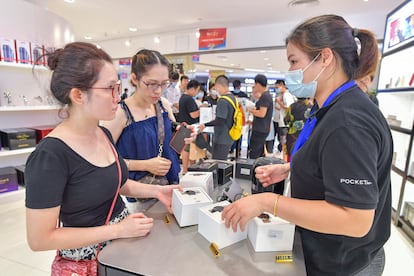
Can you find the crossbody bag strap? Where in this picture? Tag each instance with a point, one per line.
(108, 217)
(118, 165)
(161, 132)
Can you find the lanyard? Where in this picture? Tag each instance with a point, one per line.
(312, 120)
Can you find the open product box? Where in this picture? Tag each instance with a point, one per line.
(185, 204)
(212, 227)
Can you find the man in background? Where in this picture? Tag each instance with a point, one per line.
(223, 121)
(262, 117)
(284, 100)
(189, 113)
(173, 94)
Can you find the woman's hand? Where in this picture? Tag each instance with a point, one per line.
(158, 165)
(135, 225)
(165, 195)
(270, 174)
(242, 210)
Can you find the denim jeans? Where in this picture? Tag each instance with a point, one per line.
(376, 267)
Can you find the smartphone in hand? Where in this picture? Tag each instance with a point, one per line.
(177, 142)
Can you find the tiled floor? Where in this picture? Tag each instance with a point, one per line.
(16, 258)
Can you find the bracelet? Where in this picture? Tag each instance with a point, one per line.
(275, 205)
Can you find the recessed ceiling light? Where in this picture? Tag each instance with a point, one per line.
(266, 58)
(87, 37)
(262, 51)
(157, 39)
(295, 3)
(69, 1)
(132, 29)
(128, 43)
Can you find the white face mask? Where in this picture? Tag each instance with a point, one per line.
(294, 82)
(213, 92)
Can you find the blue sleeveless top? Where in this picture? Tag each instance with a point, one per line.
(139, 141)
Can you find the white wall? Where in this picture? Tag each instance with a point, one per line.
(28, 22)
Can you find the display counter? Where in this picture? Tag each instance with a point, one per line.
(171, 250)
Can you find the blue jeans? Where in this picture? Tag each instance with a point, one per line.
(376, 267)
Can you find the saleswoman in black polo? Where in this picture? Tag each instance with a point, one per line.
(340, 169)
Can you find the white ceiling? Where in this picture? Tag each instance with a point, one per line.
(108, 19)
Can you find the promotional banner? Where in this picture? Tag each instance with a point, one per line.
(212, 39)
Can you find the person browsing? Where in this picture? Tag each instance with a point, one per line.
(341, 161)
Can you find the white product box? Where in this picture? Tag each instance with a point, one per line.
(185, 205)
(198, 179)
(23, 53)
(7, 50)
(37, 52)
(270, 233)
(212, 227)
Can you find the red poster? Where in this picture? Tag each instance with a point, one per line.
(212, 39)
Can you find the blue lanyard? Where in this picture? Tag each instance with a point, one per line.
(312, 120)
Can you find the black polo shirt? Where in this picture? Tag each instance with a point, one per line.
(346, 161)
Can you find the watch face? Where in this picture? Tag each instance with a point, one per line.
(264, 217)
(217, 209)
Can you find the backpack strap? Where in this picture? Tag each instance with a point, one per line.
(230, 101)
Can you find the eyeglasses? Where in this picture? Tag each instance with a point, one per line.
(154, 85)
(116, 89)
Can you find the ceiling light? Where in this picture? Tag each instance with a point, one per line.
(128, 43)
(262, 51)
(98, 46)
(87, 37)
(157, 39)
(266, 58)
(69, 1)
(253, 70)
(132, 29)
(197, 34)
(295, 3)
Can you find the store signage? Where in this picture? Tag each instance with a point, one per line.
(196, 58)
(212, 39)
(124, 61)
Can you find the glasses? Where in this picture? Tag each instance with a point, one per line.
(116, 89)
(154, 85)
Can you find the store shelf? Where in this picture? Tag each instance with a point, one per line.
(401, 129)
(29, 108)
(398, 171)
(22, 66)
(406, 227)
(396, 90)
(6, 152)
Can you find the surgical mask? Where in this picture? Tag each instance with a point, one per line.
(236, 91)
(200, 95)
(294, 81)
(213, 92)
(278, 91)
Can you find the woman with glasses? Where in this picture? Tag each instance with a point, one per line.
(341, 161)
(142, 127)
(73, 175)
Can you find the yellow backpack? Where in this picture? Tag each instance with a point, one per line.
(235, 131)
